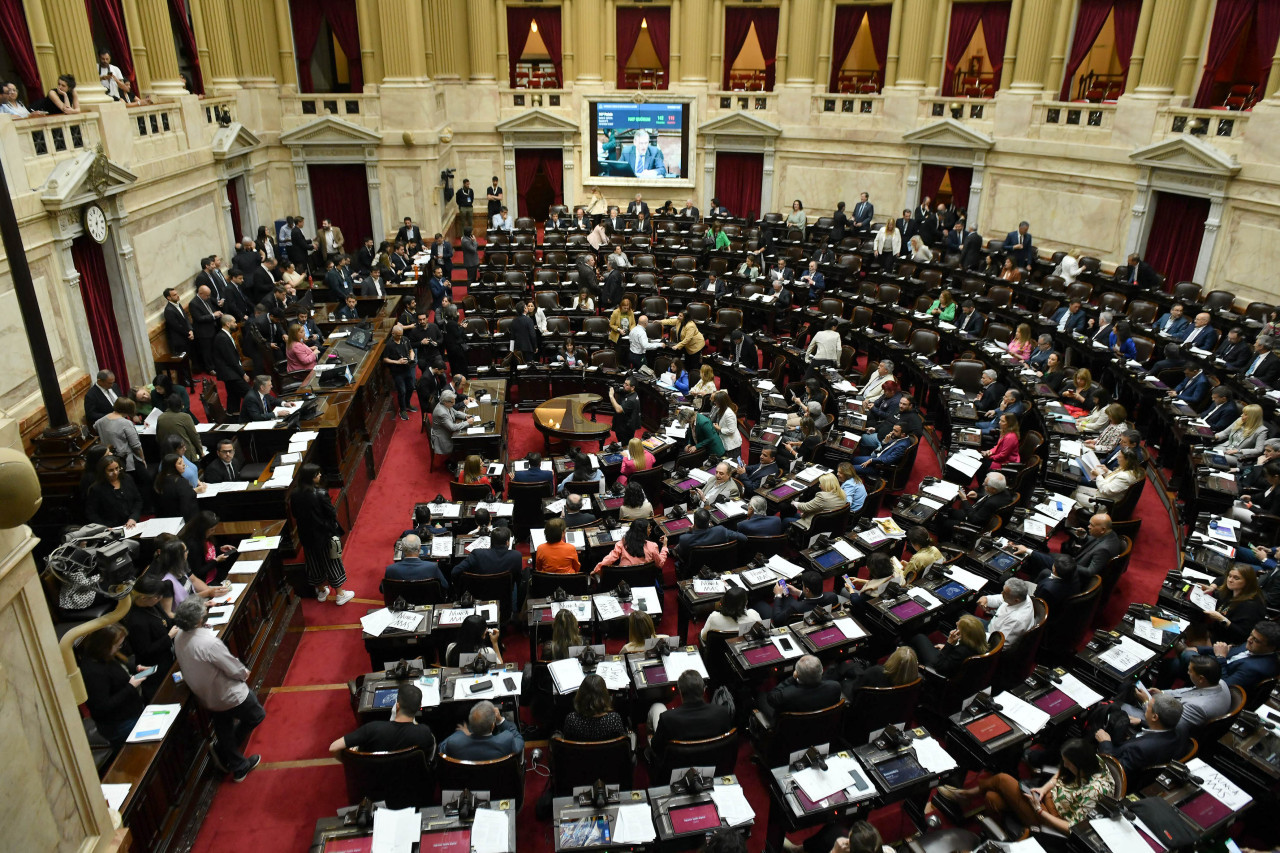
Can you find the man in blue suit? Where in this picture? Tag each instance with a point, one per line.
(645, 160)
(758, 521)
(411, 567)
(1201, 336)
(862, 213)
(1010, 404)
(1173, 323)
(1194, 387)
(1071, 318)
(1017, 244)
(1234, 351)
(704, 533)
(753, 475)
(1222, 411)
(1157, 743)
(892, 449)
(534, 473)
(1252, 661)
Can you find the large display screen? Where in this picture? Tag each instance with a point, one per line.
(640, 140)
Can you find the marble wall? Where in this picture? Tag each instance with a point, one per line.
(1248, 253)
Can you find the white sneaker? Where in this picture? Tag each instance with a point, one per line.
(323, 594)
(343, 597)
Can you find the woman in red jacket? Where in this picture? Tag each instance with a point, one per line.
(1006, 450)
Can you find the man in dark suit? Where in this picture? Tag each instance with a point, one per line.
(1193, 389)
(1222, 411)
(614, 223)
(693, 719)
(1092, 552)
(227, 365)
(1017, 244)
(497, 559)
(781, 272)
(804, 690)
(613, 288)
(995, 498)
(205, 317)
(758, 521)
(534, 473)
(574, 515)
(991, 394)
(1071, 318)
(299, 247)
(259, 340)
(248, 259)
(1172, 323)
(408, 231)
(587, 278)
(863, 211)
(1265, 365)
(743, 349)
(524, 333)
(922, 212)
(555, 223)
(892, 450)
(1158, 743)
(790, 603)
(411, 567)
(100, 399)
(970, 321)
(753, 475)
(236, 303)
(636, 205)
(260, 404)
(953, 243)
(1141, 274)
(1059, 584)
(339, 280)
(1252, 661)
(971, 252)
(1234, 351)
(372, 285)
(177, 328)
(931, 230)
(221, 467)
(908, 227)
(205, 277)
(689, 212)
(442, 255)
(1201, 336)
(704, 533)
(366, 256)
(433, 381)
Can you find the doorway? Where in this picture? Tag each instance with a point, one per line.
(239, 228)
(1177, 232)
(739, 176)
(946, 185)
(99, 307)
(539, 181)
(340, 193)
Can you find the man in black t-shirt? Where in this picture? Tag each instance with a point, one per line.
(400, 732)
(626, 419)
(400, 357)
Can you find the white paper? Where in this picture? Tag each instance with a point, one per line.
(377, 621)
(567, 674)
(1080, 693)
(872, 536)
(1222, 788)
(290, 457)
(634, 824)
(790, 650)
(967, 578)
(576, 538)
(932, 756)
(246, 567)
(430, 687)
(231, 597)
(1118, 834)
(1146, 631)
(966, 462)
(850, 628)
(846, 550)
(219, 615)
(407, 620)
(676, 663)
(1126, 655)
(784, 567)
(580, 609)
(1038, 529)
(455, 615)
(755, 577)
(652, 601)
(154, 723)
(945, 490)
(556, 505)
(701, 476)
(446, 510)
(478, 542)
(1028, 717)
(1202, 599)
(153, 527)
(254, 426)
(732, 509)
(116, 794)
(614, 673)
(204, 427)
(820, 784)
(258, 543)
(490, 832)
(608, 607)
(708, 587)
(442, 545)
(396, 830)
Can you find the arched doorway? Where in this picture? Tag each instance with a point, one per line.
(539, 181)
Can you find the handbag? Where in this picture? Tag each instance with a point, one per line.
(335, 548)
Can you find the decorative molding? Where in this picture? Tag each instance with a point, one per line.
(537, 120)
(949, 133)
(330, 130)
(740, 124)
(232, 141)
(83, 178)
(1189, 155)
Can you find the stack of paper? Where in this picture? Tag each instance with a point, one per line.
(491, 831)
(442, 545)
(932, 756)
(966, 578)
(784, 567)
(677, 663)
(246, 567)
(377, 621)
(852, 630)
(116, 794)
(846, 550)
(608, 607)
(478, 542)
(1126, 655)
(219, 616)
(567, 674)
(258, 543)
(967, 461)
(396, 830)
(732, 804)
(154, 723)
(614, 673)
(1026, 716)
(634, 824)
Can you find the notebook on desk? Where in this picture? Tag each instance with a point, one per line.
(762, 654)
(988, 728)
(1054, 702)
(907, 609)
(1204, 809)
(447, 841)
(901, 770)
(697, 818)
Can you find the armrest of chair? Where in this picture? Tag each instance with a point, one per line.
(758, 725)
(992, 828)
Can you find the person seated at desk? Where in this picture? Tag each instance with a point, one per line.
(534, 473)
(1109, 438)
(1011, 403)
(891, 452)
(924, 554)
(899, 668)
(1052, 376)
(701, 431)
(995, 498)
(1193, 389)
(1158, 743)
(1265, 499)
(1040, 355)
(804, 690)
(1205, 698)
(1066, 799)
(635, 505)
(731, 614)
(1013, 614)
(473, 473)
(497, 559)
(792, 602)
(1061, 583)
(112, 684)
(1092, 548)
(486, 735)
(693, 719)
(635, 549)
(829, 497)
(475, 638)
(1264, 364)
(1083, 391)
(884, 409)
(300, 355)
(640, 629)
(1098, 419)
(113, 500)
(1245, 665)
(676, 377)
(174, 495)
(1113, 485)
(411, 567)
(636, 458)
(990, 394)
(704, 533)
(1243, 440)
(583, 472)
(402, 731)
(593, 718)
(1122, 343)
(260, 404)
(1071, 319)
(556, 556)
(423, 526)
(1174, 359)
(564, 636)
(1200, 335)
(877, 383)
(966, 640)
(757, 521)
(1222, 410)
(970, 323)
(753, 475)
(904, 416)
(574, 514)
(944, 307)
(722, 486)
(347, 311)
(703, 389)
(1020, 345)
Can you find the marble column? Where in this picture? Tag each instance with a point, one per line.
(404, 58)
(481, 25)
(502, 68)
(137, 46)
(913, 47)
(673, 59)
(1188, 68)
(589, 60)
(372, 39)
(162, 56)
(609, 40)
(259, 67)
(895, 40)
(213, 37)
(1138, 58)
(822, 70)
(568, 46)
(802, 39)
(780, 51)
(938, 52)
(73, 46)
(715, 61)
(1035, 40)
(1164, 48)
(694, 22)
(1273, 81)
(1061, 44)
(1011, 40)
(46, 61)
(284, 45)
(431, 29)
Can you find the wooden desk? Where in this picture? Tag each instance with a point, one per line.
(563, 418)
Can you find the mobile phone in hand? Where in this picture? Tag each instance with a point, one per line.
(145, 673)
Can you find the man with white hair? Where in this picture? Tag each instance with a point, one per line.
(485, 735)
(446, 422)
(723, 484)
(994, 499)
(645, 161)
(411, 566)
(639, 343)
(758, 521)
(804, 690)
(874, 389)
(1013, 614)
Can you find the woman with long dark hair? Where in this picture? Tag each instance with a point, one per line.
(635, 504)
(731, 614)
(318, 526)
(593, 717)
(474, 638)
(112, 683)
(206, 560)
(113, 500)
(171, 566)
(174, 495)
(635, 549)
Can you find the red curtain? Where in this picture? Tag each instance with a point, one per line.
(738, 179)
(995, 30)
(629, 20)
(1089, 21)
(930, 180)
(340, 193)
(1174, 245)
(848, 22)
(737, 24)
(660, 34)
(95, 289)
(961, 178)
(1266, 31)
(237, 224)
(1229, 20)
(965, 18)
(16, 39)
(178, 14)
(307, 17)
(531, 161)
(878, 19)
(341, 15)
(112, 15)
(1125, 22)
(518, 20)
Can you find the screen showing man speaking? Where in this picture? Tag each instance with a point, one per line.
(639, 140)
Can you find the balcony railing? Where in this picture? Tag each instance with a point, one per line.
(739, 101)
(47, 140)
(218, 109)
(961, 109)
(848, 105)
(1071, 114)
(1220, 124)
(364, 110)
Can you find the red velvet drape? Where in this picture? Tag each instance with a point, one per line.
(878, 19)
(961, 179)
(739, 176)
(95, 290)
(848, 22)
(1266, 31)
(307, 17)
(930, 180)
(237, 224)
(112, 14)
(1174, 245)
(995, 31)
(341, 15)
(965, 18)
(16, 39)
(531, 161)
(1229, 20)
(518, 20)
(1125, 22)
(1089, 22)
(178, 15)
(340, 193)
(629, 20)
(660, 34)
(737, 24)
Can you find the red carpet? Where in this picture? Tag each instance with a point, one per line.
(278, 805)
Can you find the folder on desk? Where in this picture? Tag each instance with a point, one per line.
(988, 728)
